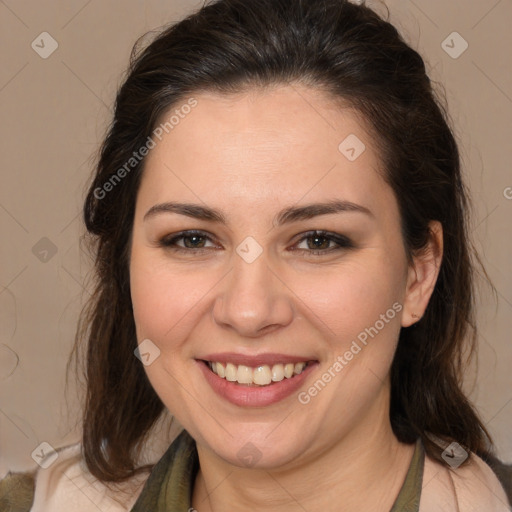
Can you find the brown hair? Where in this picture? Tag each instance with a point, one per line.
(348, 51)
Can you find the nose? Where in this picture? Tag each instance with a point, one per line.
(253, 299)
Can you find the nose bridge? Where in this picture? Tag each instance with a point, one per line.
(252, 298)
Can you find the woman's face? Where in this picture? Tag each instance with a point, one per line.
(255, 289)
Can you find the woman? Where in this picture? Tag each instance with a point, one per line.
(283, 265)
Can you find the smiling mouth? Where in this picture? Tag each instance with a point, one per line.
(264, 375)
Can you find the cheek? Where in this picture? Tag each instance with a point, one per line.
(165, 307)
(165, 302)
(350, 298)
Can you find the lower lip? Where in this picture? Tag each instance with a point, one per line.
(254, 396)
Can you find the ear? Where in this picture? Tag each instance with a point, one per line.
(422, 276)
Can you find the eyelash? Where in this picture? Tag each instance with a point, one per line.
(169, 242)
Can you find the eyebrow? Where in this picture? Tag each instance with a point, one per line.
(285, 216)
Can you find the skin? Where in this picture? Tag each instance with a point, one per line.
(251, 155)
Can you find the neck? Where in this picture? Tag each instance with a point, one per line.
(362, 471)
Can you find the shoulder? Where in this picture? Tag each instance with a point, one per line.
(65, 485)
(473, 487)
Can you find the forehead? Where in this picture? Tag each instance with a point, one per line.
(263, 144)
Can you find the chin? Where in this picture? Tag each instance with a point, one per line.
(255, 445)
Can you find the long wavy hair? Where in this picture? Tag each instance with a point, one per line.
(352, 53)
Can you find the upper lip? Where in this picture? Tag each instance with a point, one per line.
(254, 361)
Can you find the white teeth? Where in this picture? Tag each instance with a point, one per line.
(288, 370)
(231, 372)
(244, 374)
(298, 368)
(260, 376)
(219, 370)
(277, 372)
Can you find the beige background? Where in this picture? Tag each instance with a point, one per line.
(54, 112)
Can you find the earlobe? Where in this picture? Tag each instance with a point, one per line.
(422, 276)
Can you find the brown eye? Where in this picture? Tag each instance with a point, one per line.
(192, 241)
(319, 242)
